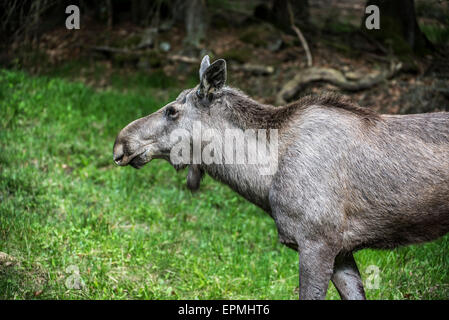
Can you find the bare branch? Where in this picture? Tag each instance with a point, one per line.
(300, 35)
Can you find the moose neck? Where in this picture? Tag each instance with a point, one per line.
(246, 113)
(259, 124)
(244, 179)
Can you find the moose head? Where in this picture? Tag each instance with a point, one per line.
(223, 114)
(149, 137)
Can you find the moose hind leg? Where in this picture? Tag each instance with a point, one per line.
(346, 278)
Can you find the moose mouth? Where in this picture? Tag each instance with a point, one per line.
(138, 161)
(142, 158)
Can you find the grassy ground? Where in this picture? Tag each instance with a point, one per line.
(67, 213)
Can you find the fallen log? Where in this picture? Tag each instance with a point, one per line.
(185, 59)
(255, 69)
(335, 77)
(247, 67)
(107, 50)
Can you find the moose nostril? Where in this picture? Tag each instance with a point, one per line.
(118, 158)
(118, 152)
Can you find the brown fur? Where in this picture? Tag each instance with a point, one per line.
(247, 113)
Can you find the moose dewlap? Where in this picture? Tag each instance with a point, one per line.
(340, 177)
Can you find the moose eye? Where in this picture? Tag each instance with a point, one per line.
(171, 113)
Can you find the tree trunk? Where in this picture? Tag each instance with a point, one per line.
(139, 12)
(196, 22)
(280, 14)
(110, 13)
(399, 28)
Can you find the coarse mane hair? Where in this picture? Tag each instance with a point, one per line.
(248, 113)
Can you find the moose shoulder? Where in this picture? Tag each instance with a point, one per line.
(340, 177)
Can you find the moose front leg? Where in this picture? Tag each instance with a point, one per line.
(316, 262)
(346, 278)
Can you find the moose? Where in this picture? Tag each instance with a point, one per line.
(347, 177)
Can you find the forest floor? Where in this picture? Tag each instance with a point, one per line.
(334, 38)
(73, 225)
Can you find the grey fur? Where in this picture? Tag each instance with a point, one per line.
(347, 178)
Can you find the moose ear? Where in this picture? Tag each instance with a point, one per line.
(205, 63)
(213, 78)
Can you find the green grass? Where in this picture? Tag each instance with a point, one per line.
(141, 234)
(436, 34)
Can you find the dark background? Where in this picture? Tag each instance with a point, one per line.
(168, 37)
